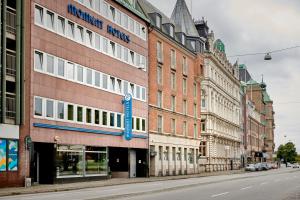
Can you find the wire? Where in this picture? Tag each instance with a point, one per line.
(262, 53)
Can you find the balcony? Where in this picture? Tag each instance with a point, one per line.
(11, 22)
(11, 63)
(10, 108)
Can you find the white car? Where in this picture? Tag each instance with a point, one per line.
(296, 165)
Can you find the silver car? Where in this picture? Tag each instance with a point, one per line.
(250, 167)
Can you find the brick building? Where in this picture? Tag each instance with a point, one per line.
(174, 91)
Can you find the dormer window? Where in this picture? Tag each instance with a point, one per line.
(193, 44)
(171, 31)
(158, 21)
(183, 39)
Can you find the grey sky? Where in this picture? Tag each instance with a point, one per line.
(259, 26)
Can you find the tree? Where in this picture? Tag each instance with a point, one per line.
(287, 152)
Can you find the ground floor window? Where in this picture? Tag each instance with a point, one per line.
(8, 155)
(80, 161)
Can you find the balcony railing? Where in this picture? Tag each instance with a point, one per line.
(10, 21)
(11, 64)
(10, 106)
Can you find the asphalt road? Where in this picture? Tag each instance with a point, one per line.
(282, 184)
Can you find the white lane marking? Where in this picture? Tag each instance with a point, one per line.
(217, 195)
(245, 188)
(264, 183)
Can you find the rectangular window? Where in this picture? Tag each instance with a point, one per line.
(89, 37)
(159, 51)
(173, 59)
(173, 153)
(70, 112)
(97, 117)
(80, 73)
(185, 154)
(184, 107)
(159, 99)
(125, 54)
(88, 115)
(126, 89)
(159, 123)
(195, 90)
(105, 9)
(118, 17)
(203, 125)
(144, 94)
(195, 131)
(131, 25)
(137, 28)
(3, 155)
(158, 21)
(112, 48)
(173, 103)
(173, 81)
(71, 30)
(119, 120)
(132, 57)
(89, 76)
(38, 106)
(79, 34)
(97, 42)
(159, 75)
(104, 118)
(184, 86)
(50, 64)
(171, 31)
(184, 128)
(112, 119)
(97, 79)
(61, 25)
(138, 124)
(49, 108)
(12, 155)
(125, 21)
(143, 125)
(132, 90)
(60, 110)
(104, 81)
(138, 92)
(38, 60)
(160, 153)
(195, 110)
(112, 13)
(61, 68)
(119, 86)
(50, 20)
(112, 83)
(105, 45)
(173, 126)
(70, 71)
(79, 114)
(119, 51)
(184, 66)
(38, 15)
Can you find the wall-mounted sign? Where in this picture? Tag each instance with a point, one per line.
(127, 101)
(115, 32)
(85, 16)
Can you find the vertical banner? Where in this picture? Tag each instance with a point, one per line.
(2, 155)
(128, 116)
(12, 155)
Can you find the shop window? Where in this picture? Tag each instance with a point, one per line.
(80, 73)
(50, 64)
(50, 20)
(97, 117)
(61, 25)
(38, 106)
(112, 119)
(97, 79)
(49, 108)
(39, 15)
(38, 60)
(96, 161)
(79, 114)
(88, 115)
(61, 68)
(60, 110)
(70, 112)
(104, 118)
(89, 76)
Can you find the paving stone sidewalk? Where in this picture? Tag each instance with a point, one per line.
(102, 183)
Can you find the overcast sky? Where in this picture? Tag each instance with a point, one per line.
(259, 26)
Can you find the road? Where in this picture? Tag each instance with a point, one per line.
(282, 184)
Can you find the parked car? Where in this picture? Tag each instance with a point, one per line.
(250, 167)
(296, 165)
(270, 165)
(258, 167)
(289, 165)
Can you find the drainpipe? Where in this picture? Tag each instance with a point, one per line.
(18, 59)
(3, 60)
(1, 69)
(22, 64)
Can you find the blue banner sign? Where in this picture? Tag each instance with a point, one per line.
(85, 16)
(115, 32)
(128, 116)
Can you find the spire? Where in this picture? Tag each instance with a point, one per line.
(183, 19)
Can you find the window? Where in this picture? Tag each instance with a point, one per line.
(89, 37)
(138, 124)
(138, 92)
(112, 84)
(50, 64)
(61, 25)
(125, 21)
(60, 110)
(79, 34)
(38, 15)
(119, 51)
(159, 99)
(195, 110)
(119, 120)
(118, 17)
(184, 86)
(38, 57)
(183, 39)
(159, 51)
(104, 118)
(132, 91)
(105, 9)
(137, 28)
(143, 125)
(97, 79)
(112, 48)
(50, 20)
(202, 148)
(184, 128)
(171, 31)
(71, 30)
(173, 103)
(112, 119)
(38, 106)
(173, 153)
(173, 59)
(79, 74)
(184, 66)
(88, 115)
(112, 13)
(184, 107)
(104, 81)
(185, 154)
(159, 123)
(70, 112)
(203, 125)
(195, 90)
(144, 94)
(173, 81)
(61, 68)
(49, 108)
(131, 25)
(125, 54)
(158, 21)
(97, 42)
(195, 131)
(203, 102)
(173, 126)
(159, 75)
(160, 153)
(132, 57)
(79, 114)
(97, 6)
(193, 44)
(105, 45)
(167, 153)
(70, 71)
(89, 76)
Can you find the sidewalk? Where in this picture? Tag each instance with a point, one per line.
(102, 183)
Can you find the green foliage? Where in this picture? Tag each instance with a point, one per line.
(287, 152)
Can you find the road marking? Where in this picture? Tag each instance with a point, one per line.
(245, 188)
(264, 183)
(217, 195)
